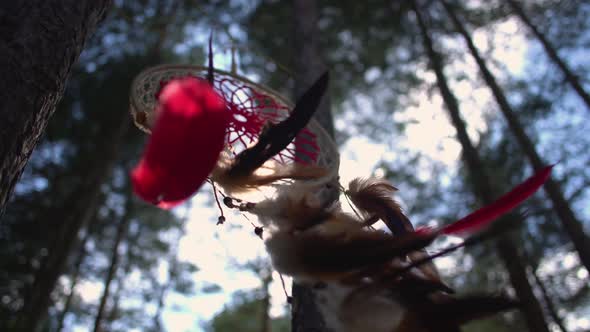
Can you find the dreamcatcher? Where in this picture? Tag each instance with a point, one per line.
(212, 124)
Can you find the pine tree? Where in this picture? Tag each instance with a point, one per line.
(76, 215)
(482, 186)
(308, 67)
(570, 222)
(40, 41)
(122, 229)
(75, 277)
(569, 75)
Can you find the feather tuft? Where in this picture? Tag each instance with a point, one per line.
(242, 183)
(375, 198)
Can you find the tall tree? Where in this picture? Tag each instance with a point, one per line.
(40, 41)
(162, 292)
(549, 304)
(75, 159)
(572, 225)
(81, 205)
(482, 185)
(131, 241)
(75, 276)
(309, 63)
(569, 75)
(308, 67)
(174, 270)
(108, 123)
(122, 229)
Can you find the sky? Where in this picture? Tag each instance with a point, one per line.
(219, 250)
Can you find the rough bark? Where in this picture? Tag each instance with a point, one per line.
(308, 67)
(569, 75)
(482, 187)
(81, 206)
(39, 41)
(568, 219)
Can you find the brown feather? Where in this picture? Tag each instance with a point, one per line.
(315, 243)
(375, 197)
(335, 250)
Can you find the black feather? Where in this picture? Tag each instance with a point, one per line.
(277, 137)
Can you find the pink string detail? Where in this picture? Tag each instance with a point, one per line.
(251, 110)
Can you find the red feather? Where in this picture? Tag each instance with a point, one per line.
(504, 204)
(185, 144)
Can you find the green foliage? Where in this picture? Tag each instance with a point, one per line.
(245, 314)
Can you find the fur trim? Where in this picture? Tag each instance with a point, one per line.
(276, 172)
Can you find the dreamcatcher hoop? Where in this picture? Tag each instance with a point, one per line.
(252, 105)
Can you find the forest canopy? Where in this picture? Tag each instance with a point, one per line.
(453, 102)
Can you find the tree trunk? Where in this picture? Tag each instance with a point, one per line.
(482, 187)
(308, 62)
(530, 306)
(39, 41)
(164, 290)
(553, 312)
(308, 67)
(157, 319)
(570, 77)
(568, 219)
(75, 275)
(79, 210)
(121, 232)
(114, 313)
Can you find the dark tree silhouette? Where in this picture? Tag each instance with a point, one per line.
(81, 205)
(39, 42)
(308, 67)
(122, 229)
(570, 222)
(482, 186)
(75, 275)
(569, 75)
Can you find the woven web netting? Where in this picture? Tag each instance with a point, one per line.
(251, 105)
